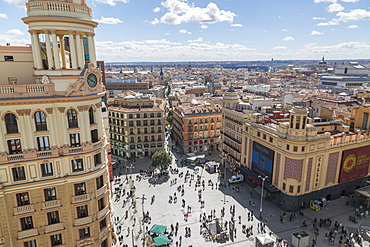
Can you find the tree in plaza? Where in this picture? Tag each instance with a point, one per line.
(161, 160)
(170, 117)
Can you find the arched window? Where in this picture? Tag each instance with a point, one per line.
(40, 121)
(91, 115)
(11, 123)
(72, 119)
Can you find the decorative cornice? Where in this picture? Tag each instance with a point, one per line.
(82, 108)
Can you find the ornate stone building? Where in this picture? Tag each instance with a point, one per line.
(54, 184)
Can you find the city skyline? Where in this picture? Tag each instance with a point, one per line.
(204, 30)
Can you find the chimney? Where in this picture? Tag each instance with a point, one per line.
(7, 44)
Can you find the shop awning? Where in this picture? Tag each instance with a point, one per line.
(158, 229)
(161, 240)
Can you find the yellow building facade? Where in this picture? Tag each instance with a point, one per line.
(54, 184)
(299, 163)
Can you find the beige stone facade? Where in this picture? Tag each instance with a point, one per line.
(54, 183)
(137, 126)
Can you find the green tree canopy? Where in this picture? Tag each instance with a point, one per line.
(161, 160)
(170, 117)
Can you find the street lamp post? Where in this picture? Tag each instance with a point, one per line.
(224, 155)
(263, 184)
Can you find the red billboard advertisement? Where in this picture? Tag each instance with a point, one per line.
(355, 164)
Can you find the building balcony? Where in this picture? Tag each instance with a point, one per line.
(104, 232)
(75, 150)
(54, 227)
(15, 157)
(23, 209)
(27, 233)
(27, 91)
(101, 191)
(229, 145)
(83, 221)
(50, 204)
(85, 241)
(80, 198)
(103, 212)
(59, 8)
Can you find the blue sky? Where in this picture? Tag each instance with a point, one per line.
(204, 30)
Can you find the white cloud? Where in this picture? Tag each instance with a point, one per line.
(166, 33)
(203, 26)
(155, 21)
(280, 48)
(200, 39)
(318, 18)
(110, 2)
(157, 9)
(284, 30)
(350, 1)
(183, 31)
(18, 3)
(352, 26)
(109, 20)
(236, 25)
(14, 32)
(354, 15)
(316, 33)
(329, 23)
(325, 1)
(180, 11)
(335, 7)
(355, 48)
(288, 38)
(3, 16)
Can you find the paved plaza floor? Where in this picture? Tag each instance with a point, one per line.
(164, 213)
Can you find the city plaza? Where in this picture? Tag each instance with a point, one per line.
(245, 198)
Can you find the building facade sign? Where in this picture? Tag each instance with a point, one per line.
(355, 164)
(262, 159)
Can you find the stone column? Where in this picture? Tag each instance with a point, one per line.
(85, 128)
(73, 50)
(62, 51)
(55, 49)
(2, 141)
(62, 124)
(79, 51)
(50, 120)
(91, 48)
(36, 49)
(49, 53)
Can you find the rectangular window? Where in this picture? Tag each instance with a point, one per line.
(26, 223)
(77, 165)
(103, 223)
(271, 139)
(46, 169)
(80, 189)
(12, 81)
(264, 136)
(19, 173)
(287, 146)
(31, 243)
(74, 140)
(53, 217)
(302, 149)
(284, 186)
(295, 148)
(56, 239)
(43, 143)
(159, 114)
(365, 119)
(94, 136)
(84, 232)
(14, 146)
(50, 194)
(258, 134)
(101, 204)
(82, 211)
(299, 189)
(99, 182)
(8, 58)
(22, 199)
(97, 159)
(291, 188)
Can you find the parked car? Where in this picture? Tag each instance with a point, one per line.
(236, 179)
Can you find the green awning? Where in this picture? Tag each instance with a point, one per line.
(158, 229)
(161, 240)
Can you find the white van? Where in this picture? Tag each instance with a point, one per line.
(236, 179)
